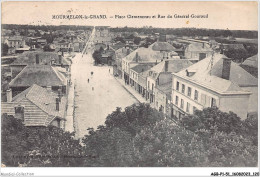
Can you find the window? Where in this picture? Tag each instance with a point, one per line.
(196, 94)
(19, 112)
(176, 100)
(183, 88)
(203, 99)
(182, 103)
(213, 103)
(189, 91)
(194, 109)
(177, 85)
(188, 107)
(152, 86)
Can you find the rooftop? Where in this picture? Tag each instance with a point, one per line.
(142, 67)
(144, 55)
(43, 75)
(44, 100)
(161, 46)
(211, 78)
(251, 61)
(29, 58)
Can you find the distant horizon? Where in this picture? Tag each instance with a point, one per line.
(135, 27)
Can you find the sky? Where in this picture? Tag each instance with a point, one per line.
(221, 15)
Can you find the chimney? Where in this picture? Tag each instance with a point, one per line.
(226, 68)
(166, 66)
(9, 95)
(60, 59)
(59, 94)
(128, 51)
(57, 104)
(37, 59)
(136, 57)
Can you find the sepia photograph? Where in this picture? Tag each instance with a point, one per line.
(129, 84)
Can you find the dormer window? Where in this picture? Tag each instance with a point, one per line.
(190, 73)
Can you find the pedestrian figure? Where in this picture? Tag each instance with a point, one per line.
(91, 73)
(92, 88)
(109, 70)
(88, 80)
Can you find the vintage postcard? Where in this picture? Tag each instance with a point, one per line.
(129, 84)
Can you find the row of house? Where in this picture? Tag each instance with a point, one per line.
(178, 87)
(37, 93)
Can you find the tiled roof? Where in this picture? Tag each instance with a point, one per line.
(161, 46)
(29, 58)
(142, 67)
(212, 80)
(237, 74)
(165, 88)
(174, 65)
(45, 102)
(43, 75)
(251, 61)
(122, 52)
(144, 55)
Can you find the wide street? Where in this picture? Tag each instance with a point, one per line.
(95, 99)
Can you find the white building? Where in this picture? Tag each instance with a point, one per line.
(214, 83)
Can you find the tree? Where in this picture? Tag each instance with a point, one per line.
(119, 39)
(238, 55)
(38, 146)
(149, 140)
(213, 118)
(4, 49)
(97, 55)
(137, 40)
(251, 128)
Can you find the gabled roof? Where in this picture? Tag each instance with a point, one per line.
(29, 58)
(45, 100)
(43, 75)
(161, 46)
(174, 65)
(122, 52)
(212, 78)
(144, 55)
(251, 61)
(237, 74)
(142, 67)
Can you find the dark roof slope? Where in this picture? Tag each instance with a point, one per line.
(43, 75)
(142, 67)
(29, 58)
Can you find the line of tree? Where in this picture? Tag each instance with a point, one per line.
(46, 27)
(190, 32)
(138, 136)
